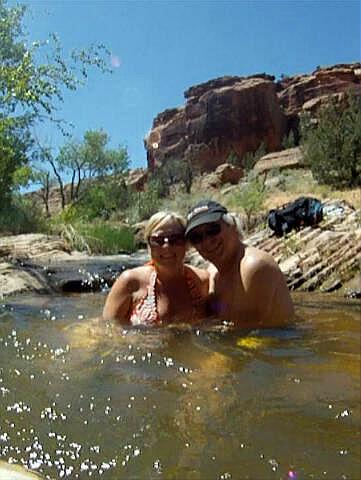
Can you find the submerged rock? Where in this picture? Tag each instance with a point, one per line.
(16, 472)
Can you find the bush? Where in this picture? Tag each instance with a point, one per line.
(332, 147)
(289, 140)
(250, 197)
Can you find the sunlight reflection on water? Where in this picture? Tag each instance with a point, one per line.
(80, 400)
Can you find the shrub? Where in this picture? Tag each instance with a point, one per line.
(250, 197)
(142, 205)
(332, 146)
(289, 140)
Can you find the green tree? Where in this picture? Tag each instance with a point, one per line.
(100, 161)
(332, 145)
(176, 170)
(44, 179)
(90, 160)
(100, 198)
(33, 77)
(13, 147)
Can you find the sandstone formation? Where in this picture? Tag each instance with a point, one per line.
(224, 116)
(323, 257)
(234, 115)
(296, 92)
(288, 158)
(32, 245)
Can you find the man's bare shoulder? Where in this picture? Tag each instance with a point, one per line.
(259, 266)
(256, 258)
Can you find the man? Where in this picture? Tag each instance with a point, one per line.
(247, 286)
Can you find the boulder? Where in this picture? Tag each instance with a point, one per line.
(228, 173)
(224, 174)
(32, 244)
(289, 158)
(15, 279)
(137, 179)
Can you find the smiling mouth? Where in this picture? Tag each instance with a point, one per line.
(213, 250)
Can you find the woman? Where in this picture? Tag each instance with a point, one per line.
(165, 290)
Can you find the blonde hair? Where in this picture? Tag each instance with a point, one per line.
(161, 218)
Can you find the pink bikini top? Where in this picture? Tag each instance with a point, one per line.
(145, 311)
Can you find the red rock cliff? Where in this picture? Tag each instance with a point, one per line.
(236, 114)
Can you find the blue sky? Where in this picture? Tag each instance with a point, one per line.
(161, 48)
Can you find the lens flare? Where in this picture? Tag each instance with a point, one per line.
(115, 61)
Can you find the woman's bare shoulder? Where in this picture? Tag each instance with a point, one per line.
(133, 278)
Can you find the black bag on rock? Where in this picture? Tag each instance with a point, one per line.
(303, 212)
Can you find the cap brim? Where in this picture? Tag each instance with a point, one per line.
(202, 219)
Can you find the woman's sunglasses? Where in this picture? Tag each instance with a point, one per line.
(212, 230)
(176, 239)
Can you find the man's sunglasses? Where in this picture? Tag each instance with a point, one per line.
(176, 239)
(212, 230)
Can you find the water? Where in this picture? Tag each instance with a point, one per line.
(79, 401)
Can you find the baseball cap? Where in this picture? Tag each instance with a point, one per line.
(205, 211)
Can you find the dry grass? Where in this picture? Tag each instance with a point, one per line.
(296, 183)
(284, 187)
(276, 199)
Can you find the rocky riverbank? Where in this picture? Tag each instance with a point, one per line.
(323, 258)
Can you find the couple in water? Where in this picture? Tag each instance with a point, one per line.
(243, 286)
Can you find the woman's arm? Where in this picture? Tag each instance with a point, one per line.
(119, 300)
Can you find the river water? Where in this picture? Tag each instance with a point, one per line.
(78, 400)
